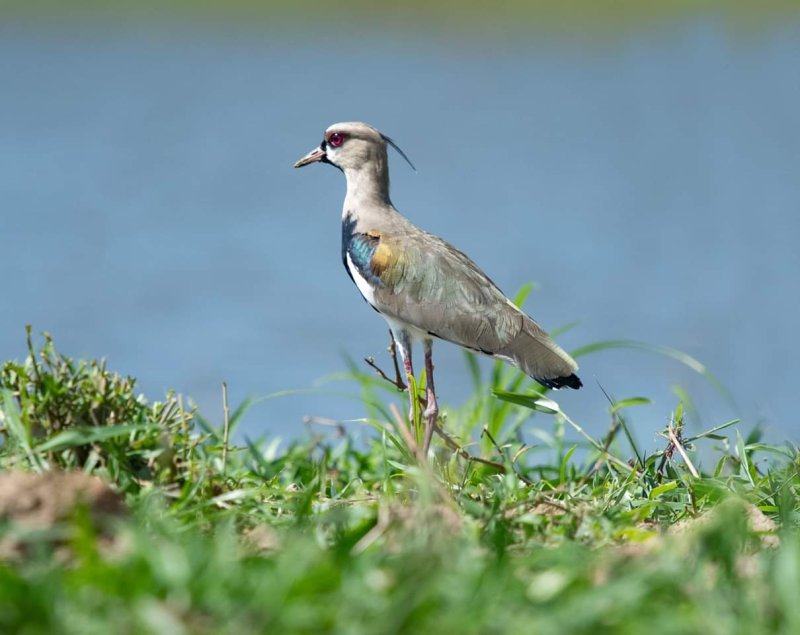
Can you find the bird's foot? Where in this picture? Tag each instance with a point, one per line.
(431, 415)
(431, 411)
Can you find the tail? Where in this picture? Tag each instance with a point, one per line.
(573, 381)
(538, 356)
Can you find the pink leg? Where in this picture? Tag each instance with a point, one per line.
(432, 410)
(404, 346)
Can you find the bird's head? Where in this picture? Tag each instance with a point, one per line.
(351, 146)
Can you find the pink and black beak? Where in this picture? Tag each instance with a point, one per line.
(317, 154)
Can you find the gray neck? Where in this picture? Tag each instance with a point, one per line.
(368, 184)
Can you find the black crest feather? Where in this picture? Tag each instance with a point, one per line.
(397, 147)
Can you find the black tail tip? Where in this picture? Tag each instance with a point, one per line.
(573, 381)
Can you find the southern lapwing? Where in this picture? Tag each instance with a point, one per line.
(423, 286)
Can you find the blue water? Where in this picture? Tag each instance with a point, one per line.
(649, 184)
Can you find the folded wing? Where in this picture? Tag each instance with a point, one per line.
(429, 284)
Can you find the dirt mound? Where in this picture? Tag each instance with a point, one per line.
(37, 502)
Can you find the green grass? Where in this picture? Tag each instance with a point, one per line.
(575, 535)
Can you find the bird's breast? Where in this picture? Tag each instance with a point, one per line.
(364, 286)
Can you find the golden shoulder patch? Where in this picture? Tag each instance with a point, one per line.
(382, 259)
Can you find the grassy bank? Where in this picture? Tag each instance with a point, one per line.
(199, 535)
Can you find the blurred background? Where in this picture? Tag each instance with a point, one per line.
(639, 163)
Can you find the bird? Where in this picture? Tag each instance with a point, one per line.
(423, 286)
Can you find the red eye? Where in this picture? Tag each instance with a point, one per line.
(336, 139)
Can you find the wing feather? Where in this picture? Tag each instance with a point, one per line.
(437, 289)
